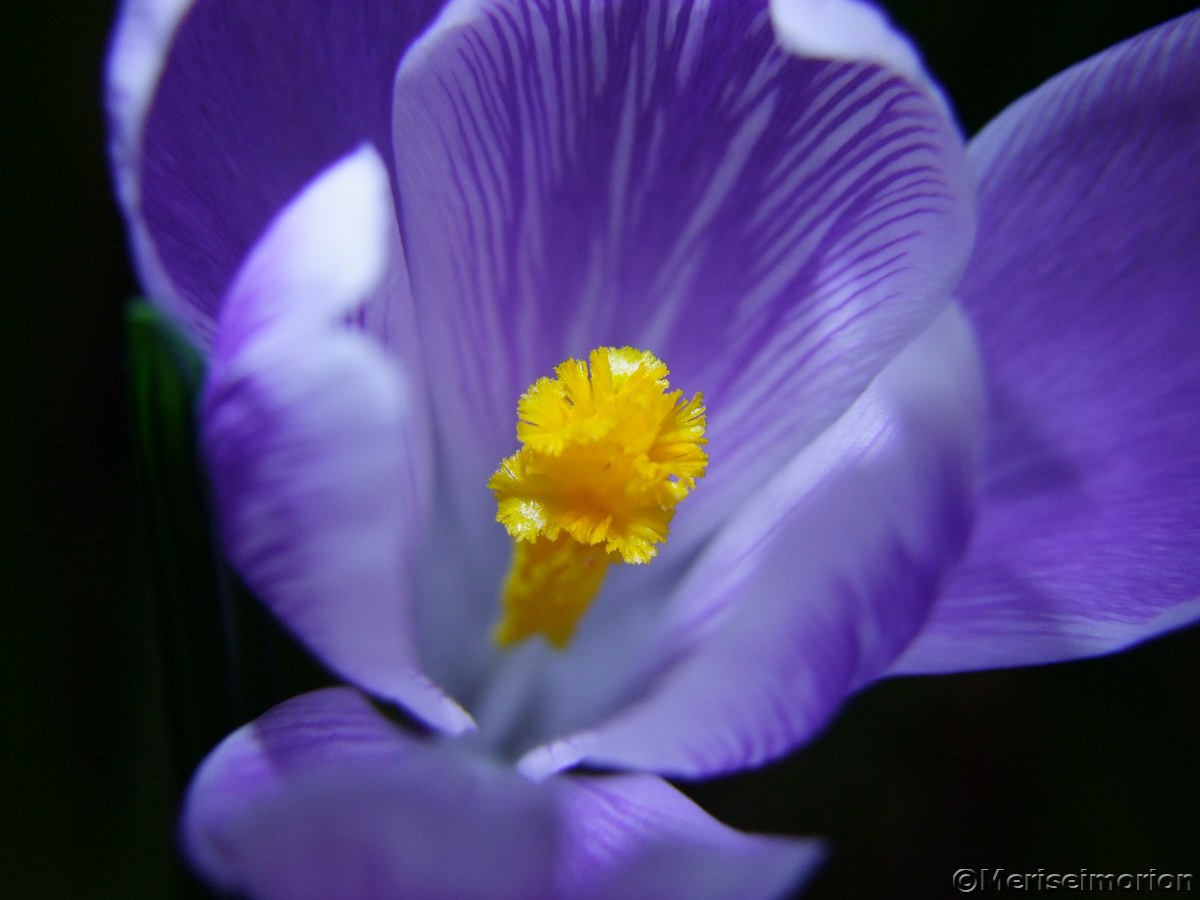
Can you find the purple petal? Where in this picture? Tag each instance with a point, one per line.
(852, 30)
(136, 58)
(324, 797)
(817, 583)
(634, 836)
(1084, 293)
(314, 442)
(220, 111)
(664, 175)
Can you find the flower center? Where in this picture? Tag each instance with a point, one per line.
(606, 456)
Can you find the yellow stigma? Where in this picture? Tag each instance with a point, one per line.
(606, 456)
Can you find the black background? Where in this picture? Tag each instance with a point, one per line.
(1089, 765)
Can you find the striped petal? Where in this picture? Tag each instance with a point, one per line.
(854, 30)
(314, 441)
(220, 111)
(1084, 293)
(664, 175)
(816, 585)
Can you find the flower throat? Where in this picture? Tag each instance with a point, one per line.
(606, 455)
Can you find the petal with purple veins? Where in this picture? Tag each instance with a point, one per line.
(815, 585)
(664, 176)
(851, 30)
(221, 111)
(1084, 293)
(314, 442)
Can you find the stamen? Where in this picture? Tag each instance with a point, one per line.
(607, 455)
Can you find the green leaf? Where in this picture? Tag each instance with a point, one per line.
(165, 376)
(226, 660)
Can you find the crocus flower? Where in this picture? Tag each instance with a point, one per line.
(951, 399)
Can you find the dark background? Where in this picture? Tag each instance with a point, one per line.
(1090, 765)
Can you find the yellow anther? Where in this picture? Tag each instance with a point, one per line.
(607, 455)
